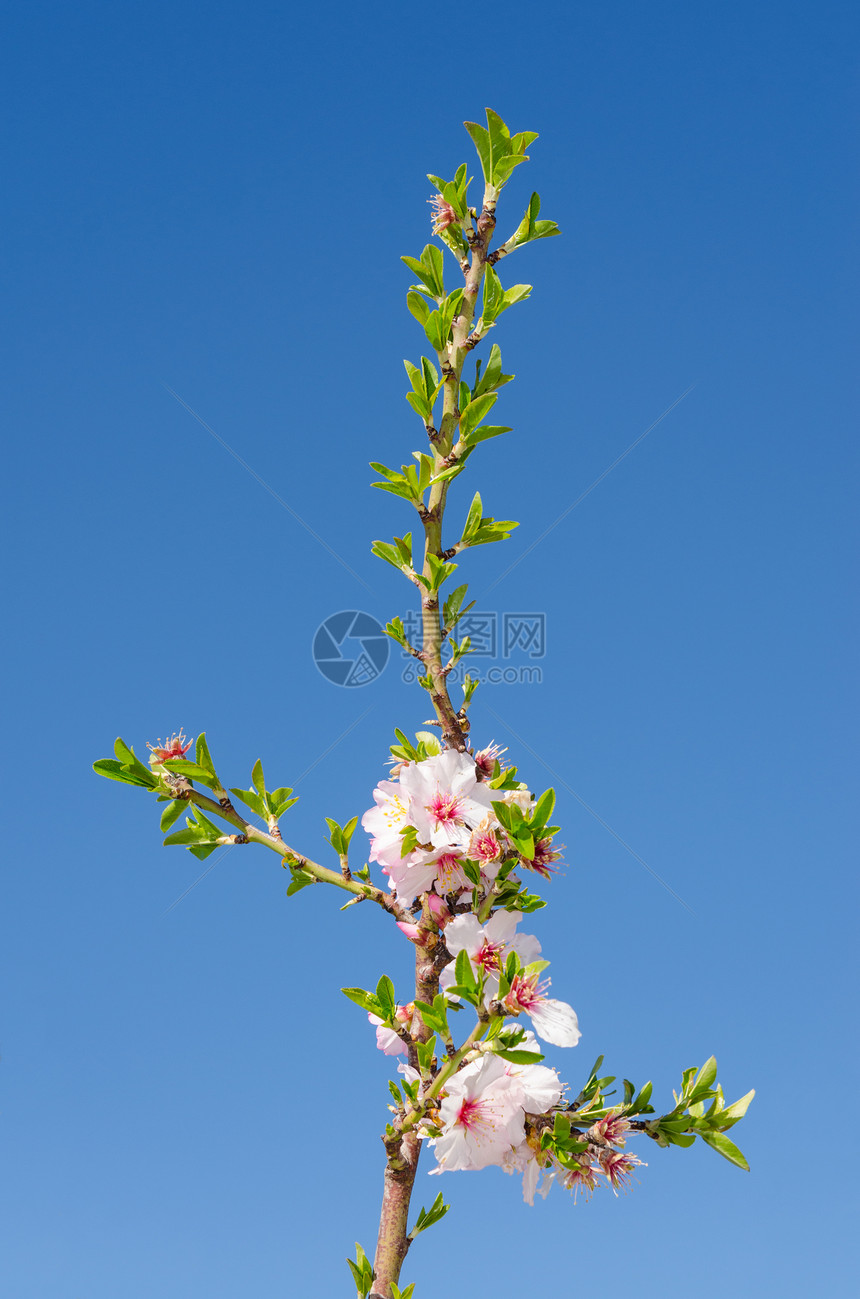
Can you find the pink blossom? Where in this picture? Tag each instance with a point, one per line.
(480, 1117)
(582, 1178)
(485, 847)
(618, 1168)
(385, 821)
(486, 759)
(554, 1021)
(609, 1130)
(446, 802)
(175, 747)
(443, 214)
(487, 945)
(544, 856)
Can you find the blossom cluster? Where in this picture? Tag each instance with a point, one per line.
(490, 1115)
(440, 835)
(437, 816)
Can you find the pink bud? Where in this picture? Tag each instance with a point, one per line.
(411, 931)
(438, 909)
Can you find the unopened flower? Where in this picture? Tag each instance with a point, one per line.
(609, 1131)
(520, 798)
(618, 1168)
(387, 1039)
(443, 214)
(438, 909)
(554, 1021)
(176, 747)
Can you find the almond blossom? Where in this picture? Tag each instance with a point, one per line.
(554, 1021)
(617, 1168)
(175, 746)
(446, 800)
(483, 1112)
(487, 946)
(384, 823)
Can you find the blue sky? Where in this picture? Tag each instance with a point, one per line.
(213, 199)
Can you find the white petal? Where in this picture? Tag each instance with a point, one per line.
(463, 933)
(556, 1022)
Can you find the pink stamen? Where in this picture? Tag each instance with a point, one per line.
(444, 807)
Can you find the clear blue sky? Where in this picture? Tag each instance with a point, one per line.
(215, 197)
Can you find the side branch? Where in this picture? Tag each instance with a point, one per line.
(226, 810)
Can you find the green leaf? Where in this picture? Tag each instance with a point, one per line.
(132, 763)
(492, 377)
(171, 812)
(252, 799)
(202, 850)
(471, 417)
(463, 970)
(543, 809)
(734, 1113)
(424, 273)
(503, 168)
(113, 770)
(366, 1000)
(384, 550)
(203, 756)
(418, 306)
(521, 1057)
(182, 767)
(521, 141)
(181, 838)
(257, 779)
(483, 432)
(473, 518)
(123, 752)
(385, 996)
(301, 879)
(705, 1076)
(500, 136)
(723, 1146)
(481, 140)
